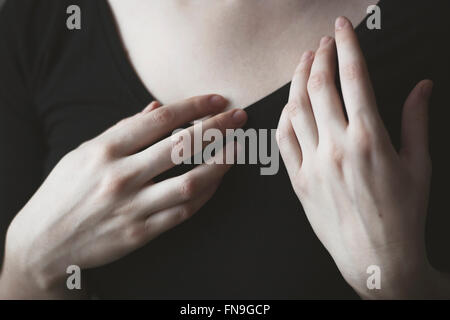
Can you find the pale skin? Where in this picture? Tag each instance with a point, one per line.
(111, 207)
(253, 46)
(366, 202)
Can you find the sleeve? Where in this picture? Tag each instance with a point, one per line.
(21, 144)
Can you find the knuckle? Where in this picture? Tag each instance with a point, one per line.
(332, 152)
(322, 53)
(351, 71)
(127, 209)
(162, 115)
(362, 140)
(178, 143)
(291, 109)
(335, 155)
(300, 184)
(113, 182)
(104, 151)
(317, 81)
(188, 188)
(281, 134)
(302, 69)
(152, 227)
(134, 234)
(185, 212)
(301, 103)
(284, 132)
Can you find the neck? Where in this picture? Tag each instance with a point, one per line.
(242, 18)
(246, 12)
(215, 46)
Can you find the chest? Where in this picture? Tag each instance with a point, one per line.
(178, 55)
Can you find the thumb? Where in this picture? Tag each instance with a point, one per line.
(415, 146)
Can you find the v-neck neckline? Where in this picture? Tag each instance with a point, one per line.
(131, 77)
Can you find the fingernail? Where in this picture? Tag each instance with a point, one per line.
(218, 101)
(340, 23)
(239, 116)
(149, 107)
(325, 40)
(427, 89)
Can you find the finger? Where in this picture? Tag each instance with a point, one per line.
(325, 100)
(288, 144)
(161, 156)
(167, 219)
(183, 188)
(357, 91)
(298, 108)
(415, 122)
(149, 127)
(142, 230)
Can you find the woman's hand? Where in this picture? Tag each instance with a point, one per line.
(99, 203)
(366, 202)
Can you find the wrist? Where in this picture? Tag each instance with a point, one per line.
(25, 277)
(393, 273)
(409, 283)
(18, 283)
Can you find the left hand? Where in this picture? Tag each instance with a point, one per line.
(366, 202)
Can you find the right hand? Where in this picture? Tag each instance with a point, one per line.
(99, 203)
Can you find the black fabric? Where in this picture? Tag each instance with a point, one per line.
(59, 88)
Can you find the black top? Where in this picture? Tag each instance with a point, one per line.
(59, 88)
